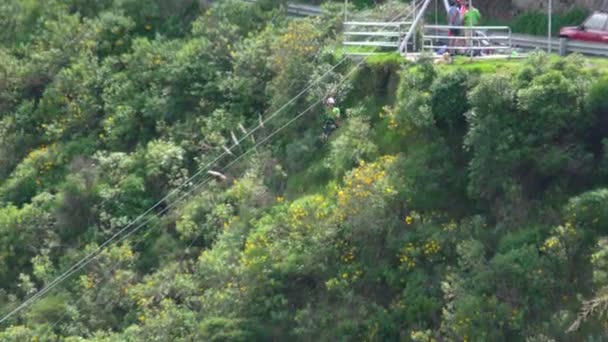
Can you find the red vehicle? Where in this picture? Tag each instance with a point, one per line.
(594, 29)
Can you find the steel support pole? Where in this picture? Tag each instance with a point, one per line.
(446, 4)
(415, 33)
(345, 9)
(412, 30)
(549, 37)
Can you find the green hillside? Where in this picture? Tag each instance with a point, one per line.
(463, 202)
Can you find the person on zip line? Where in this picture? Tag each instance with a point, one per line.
(332, 117)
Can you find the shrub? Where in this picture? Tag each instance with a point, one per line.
(74, 211)
(536, 22)
(589, 210)
(527, 131)
(219, 329)
(449, 99)
(351, 146)
(40, 170)
(48, 310)
(412, 109)
(597, 101)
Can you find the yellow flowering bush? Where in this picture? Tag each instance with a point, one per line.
(301, 40)
(38, 170)
(563, 243)
(280, 239)
(344, 279)
(408, 256)
(412, 253)
(366, 182)
(388, 114)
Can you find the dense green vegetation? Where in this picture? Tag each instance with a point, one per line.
(536, 23)
(462, 202)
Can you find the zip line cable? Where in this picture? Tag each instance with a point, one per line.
(252, 149)
(92, 255)
(205, 181)
(87, 259)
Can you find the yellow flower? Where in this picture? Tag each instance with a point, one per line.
(408, 220)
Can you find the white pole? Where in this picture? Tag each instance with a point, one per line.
(549, 38)
(412, 29)
(415, 33)
(345, 9)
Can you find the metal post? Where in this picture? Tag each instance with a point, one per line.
(403, 46)
(549, 38)
(345, 9)
(510, 41)
(471, 40)
(472, 31)
(415, 33)
(436, 22)
(563, 48)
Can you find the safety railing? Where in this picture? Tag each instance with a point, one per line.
(468, 40)
(304, 10)
(300, 10)
(563, 46)
(567, 46)
(377, 35)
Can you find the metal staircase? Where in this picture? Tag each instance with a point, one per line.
(400, 34)
(372, 37)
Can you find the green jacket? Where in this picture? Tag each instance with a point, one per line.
(472, 17)
(332, 114)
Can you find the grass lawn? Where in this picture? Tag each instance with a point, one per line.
(483, 66)
(597, 64)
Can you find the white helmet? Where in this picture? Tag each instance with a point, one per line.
(331, 101)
